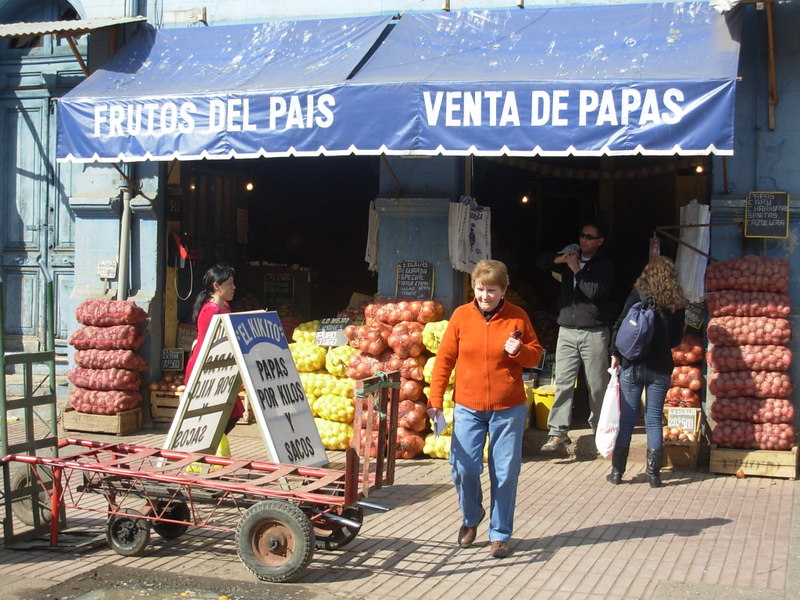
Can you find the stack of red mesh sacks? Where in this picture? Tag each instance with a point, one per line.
(687, 375)
(391, 340)
(107, 365)
(749, 361)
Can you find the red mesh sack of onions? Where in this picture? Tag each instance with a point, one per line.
(104, 313)
(108, 359)
(749, 358)
(689, 351)
(393, 312)
(117, 337)
(688, 377)
(369, 338)
(411, 389)
(363, 365)
(101, 402)
(105, 379)
(759, 436)
(753, 410)
(409, 443)
(682, 396)
(760, 384)
(406, 339)
(740, 303)
(749, 273)
(738, 331)
(411, 415)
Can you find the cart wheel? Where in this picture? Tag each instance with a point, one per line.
(177, 510)
(126, 534)
(23, 509)
(275, 541)
(332, 536)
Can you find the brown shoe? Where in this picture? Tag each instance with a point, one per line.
(499, 550)
(466, 535)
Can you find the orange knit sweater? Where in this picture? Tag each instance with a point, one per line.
(486, 377)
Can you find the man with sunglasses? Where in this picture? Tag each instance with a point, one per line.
(586, 274)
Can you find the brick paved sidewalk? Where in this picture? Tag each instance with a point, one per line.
(576, 537)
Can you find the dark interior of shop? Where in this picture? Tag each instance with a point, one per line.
(313, 212)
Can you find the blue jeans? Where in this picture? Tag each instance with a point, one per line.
(505, 429)
(632, 380)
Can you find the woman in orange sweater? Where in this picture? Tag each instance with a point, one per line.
(488, 341)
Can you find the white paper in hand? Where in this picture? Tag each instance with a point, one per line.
(439, 424)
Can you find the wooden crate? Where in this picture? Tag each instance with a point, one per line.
(163, 406)
(681, 457)
(763, 463)
(122, 423)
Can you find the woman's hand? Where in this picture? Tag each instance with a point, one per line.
(615, 362)
(513, 343)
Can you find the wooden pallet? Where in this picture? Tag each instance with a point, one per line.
(762, 463)
(122, 423)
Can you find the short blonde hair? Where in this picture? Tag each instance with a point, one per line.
(491, 272)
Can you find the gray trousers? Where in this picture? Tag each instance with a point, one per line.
(575, 347)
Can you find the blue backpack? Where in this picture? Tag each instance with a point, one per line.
(635, 333)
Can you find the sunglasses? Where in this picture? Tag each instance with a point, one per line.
(589, 236)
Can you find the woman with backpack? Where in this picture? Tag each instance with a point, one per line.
(651, 370)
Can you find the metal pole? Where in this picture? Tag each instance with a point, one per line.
(50, 346)
(124, 244)
(3, 408)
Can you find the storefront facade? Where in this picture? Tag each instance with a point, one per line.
(96, 195)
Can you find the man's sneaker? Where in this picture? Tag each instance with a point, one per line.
(554, 442)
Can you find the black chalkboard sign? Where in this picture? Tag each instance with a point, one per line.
(330, 332)
(278, 289)
(766, 215)
(414, 280)
(172, 359)
(695, 315)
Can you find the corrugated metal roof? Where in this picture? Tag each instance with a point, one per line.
(63, 28)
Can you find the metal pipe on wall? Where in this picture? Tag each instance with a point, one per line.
(124, 244)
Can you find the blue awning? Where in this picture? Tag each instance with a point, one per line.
(577, 80)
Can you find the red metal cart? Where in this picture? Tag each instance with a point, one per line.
(279, 513)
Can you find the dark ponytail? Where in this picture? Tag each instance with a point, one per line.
(216, 274)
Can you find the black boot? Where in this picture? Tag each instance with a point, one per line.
(619, 460)
(655, 458)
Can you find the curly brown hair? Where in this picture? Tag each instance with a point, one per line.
(659, 281)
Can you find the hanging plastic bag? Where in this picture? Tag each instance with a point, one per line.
(608, 423)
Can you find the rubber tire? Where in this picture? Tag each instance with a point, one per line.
(275, 541)
(340, 535)
(24, 510)
(177, 510)
(126, 534)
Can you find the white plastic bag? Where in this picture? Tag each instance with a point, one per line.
(608, 423)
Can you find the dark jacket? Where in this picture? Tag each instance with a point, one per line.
(585, 304)
(667, 335)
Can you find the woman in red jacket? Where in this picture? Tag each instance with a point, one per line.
(488, 341)
(218, 290)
